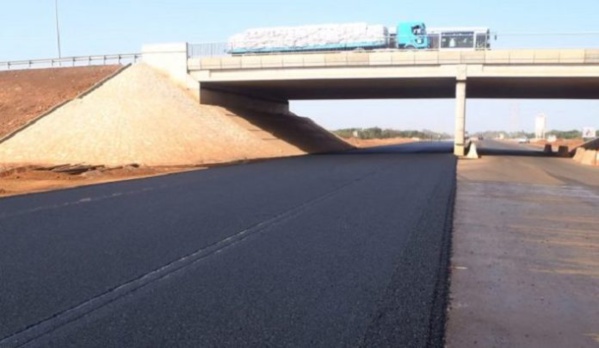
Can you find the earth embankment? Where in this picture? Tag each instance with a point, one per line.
(132, 116)
(26, 94)
(140, 116)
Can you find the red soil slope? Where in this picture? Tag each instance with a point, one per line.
(25, 94)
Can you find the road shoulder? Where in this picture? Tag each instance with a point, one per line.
(525, 271)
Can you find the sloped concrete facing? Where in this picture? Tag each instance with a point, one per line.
(59, 105)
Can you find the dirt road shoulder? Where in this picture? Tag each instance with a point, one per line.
(525, 270)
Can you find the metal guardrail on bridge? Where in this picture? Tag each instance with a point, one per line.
(71, 61)
(210, 49)
(218, 49)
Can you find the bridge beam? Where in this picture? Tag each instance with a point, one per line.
(459, 147)
(239, 99)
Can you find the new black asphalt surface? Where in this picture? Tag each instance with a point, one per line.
(322, 251)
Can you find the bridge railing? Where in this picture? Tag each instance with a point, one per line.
(105, 59)
(397, 58)
(253, 47)
(446, 41)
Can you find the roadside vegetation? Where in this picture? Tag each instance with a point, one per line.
(559, 134)
(388, 133)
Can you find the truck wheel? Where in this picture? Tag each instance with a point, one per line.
(410, 48)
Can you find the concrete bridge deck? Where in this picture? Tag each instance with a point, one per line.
(429, 74)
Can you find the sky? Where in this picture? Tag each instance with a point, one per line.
(28, 31)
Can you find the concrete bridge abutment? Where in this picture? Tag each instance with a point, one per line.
(171, 60)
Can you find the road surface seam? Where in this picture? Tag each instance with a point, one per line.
(72, 314)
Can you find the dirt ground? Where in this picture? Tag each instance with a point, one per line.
(16, 180)
(363, 143)
(30, 179)
(570, 143)
(25, 94)
(141, 116)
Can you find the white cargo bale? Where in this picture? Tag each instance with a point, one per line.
(317, 36)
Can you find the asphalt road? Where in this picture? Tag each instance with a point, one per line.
(328, 250)
(490, 147)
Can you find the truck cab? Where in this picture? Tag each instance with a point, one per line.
(411, 35)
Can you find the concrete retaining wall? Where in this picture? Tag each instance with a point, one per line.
(562, 151)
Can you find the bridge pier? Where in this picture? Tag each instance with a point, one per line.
(459, 147)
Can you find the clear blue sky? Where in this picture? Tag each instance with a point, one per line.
(27, 31)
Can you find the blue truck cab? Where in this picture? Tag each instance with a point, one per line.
(411, 35)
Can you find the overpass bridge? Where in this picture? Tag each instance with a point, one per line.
(268, 82)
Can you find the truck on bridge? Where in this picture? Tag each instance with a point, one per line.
(356, 36)
(329, 37)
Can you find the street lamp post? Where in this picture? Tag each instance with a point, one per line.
(57, 28)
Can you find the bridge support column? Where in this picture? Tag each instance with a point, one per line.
(459, 147)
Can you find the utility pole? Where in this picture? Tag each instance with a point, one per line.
(57, 28)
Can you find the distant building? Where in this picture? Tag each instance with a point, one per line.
(540, 126)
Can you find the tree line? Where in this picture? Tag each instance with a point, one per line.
(560, 134)
(385, 133)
